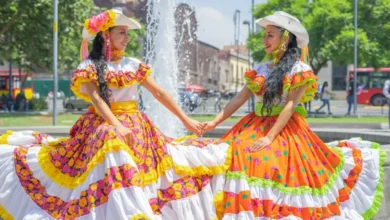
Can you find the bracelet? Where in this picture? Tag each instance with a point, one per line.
(269, 138)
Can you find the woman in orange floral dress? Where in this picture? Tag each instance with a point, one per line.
(116, 164)
(280, 168)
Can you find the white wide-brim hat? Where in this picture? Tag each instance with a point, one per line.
(120, 20)
(288, 22)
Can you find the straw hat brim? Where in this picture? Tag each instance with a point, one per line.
(288, 22)
(120, 20)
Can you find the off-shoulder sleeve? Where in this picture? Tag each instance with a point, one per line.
(300, 75)
(142, 72)
(135, 71)
(85, 72)
(254, 82)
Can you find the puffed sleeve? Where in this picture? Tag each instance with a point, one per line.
(301, 74)
(254, 81)
(84, 73)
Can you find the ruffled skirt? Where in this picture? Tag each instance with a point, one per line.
(298, 176)
(94, 174)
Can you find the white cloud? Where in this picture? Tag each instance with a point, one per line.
(215, 28)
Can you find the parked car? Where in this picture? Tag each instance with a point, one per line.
(72, 102)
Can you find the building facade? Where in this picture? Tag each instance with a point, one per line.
(239, 61)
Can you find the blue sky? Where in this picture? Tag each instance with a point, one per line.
(215, 19)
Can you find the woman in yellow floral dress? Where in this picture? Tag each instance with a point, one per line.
(280, 168)
(116, 164)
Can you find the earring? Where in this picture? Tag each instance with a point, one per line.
(283, 47)
(107, 46)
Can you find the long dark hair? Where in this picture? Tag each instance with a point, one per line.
(274, 83)
(98, 59)
(323, 86)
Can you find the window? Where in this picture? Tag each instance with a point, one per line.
(3, 83)
(201, 70)
(233, 70)
(16, 84)
(377, 80)
(210, 70)
(363, 80)
(338, 77)
(227, 75)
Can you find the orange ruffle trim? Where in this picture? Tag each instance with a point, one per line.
(256, 83)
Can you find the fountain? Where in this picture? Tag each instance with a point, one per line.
(161, 54)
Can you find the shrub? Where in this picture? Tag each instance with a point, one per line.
(38, 104)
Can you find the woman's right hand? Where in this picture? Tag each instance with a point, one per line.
(126, 134)
(208, 126)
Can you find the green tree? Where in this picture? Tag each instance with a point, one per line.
(330, 26)
(26, 33)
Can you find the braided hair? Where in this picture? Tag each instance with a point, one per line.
(274, 83)
(98, 59)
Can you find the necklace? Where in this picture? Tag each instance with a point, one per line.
(117, 55)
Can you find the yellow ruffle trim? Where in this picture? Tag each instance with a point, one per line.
(115, 145)
(218, 204)
(117, 81)
(167, 163)
(67, 181)
(140, 217)
(152, 176)
(4, 137)
(58, 141)
(76, 88)
(182, 139)
(4, 214)
(203, 170)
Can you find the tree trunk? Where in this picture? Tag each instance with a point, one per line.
(10, 78)
(6, 27)
(22, 78)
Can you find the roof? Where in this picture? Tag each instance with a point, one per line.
(15, 72)
(370, 69)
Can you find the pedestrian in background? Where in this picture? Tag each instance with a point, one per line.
(386, 93)
(350, 94)
(325, 97)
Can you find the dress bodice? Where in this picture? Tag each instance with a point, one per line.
(122, 78)
(300, 74)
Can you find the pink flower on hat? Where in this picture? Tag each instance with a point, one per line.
(100, 22)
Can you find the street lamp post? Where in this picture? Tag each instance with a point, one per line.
(355, 58)
(253, 31)
(246, 22)
(237, 17)
(55, 47)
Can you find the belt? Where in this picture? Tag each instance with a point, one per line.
(276, 109)
(129, 107)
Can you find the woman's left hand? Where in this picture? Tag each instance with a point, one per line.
(260, 144)
(194, 126)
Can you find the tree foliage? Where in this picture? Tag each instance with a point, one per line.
(330, 24)
(26, 33)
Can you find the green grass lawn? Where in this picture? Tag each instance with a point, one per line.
(7, 120)
(317, 120)
(349, 120)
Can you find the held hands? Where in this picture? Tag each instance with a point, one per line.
(260, 144)
(194, 126)
(208, 126)
(199, 128)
